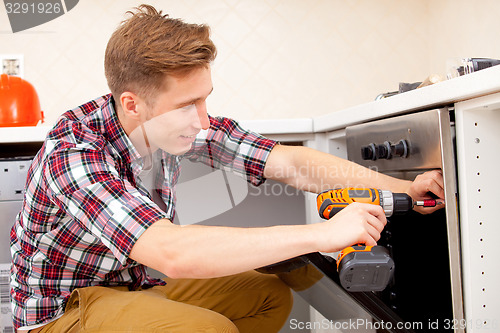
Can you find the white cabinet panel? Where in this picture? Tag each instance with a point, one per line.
(478, 136)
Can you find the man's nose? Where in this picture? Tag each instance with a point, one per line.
(203, 116)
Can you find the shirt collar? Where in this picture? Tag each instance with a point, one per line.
(116, 135)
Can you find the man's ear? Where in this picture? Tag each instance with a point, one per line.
(129, 103)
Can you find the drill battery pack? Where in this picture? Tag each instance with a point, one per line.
(365, 268)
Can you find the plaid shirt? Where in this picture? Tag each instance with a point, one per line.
(84, 210)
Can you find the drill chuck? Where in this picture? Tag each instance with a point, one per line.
(387, 202)
(395, 203)
(403, 203)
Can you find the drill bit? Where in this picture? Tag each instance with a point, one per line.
(428, 203)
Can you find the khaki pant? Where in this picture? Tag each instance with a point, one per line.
(247, 302)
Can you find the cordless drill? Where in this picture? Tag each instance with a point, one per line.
(360, 267)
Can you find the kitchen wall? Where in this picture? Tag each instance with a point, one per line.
(277, 58)
(461, 28)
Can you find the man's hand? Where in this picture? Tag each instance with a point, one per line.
(357, 223)
(425, 184)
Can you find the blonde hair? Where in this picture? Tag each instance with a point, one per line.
(148, 46)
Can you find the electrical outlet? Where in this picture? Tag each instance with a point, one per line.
(12, 64)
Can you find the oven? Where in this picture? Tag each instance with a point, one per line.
(427, 284)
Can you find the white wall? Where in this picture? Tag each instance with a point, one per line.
(277, 58)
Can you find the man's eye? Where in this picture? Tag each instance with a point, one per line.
(188, 107)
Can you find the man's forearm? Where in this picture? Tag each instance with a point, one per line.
(315, 171)
(208, 251)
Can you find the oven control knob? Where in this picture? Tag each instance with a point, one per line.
(400, 149)
(369, 152)
(384, 150)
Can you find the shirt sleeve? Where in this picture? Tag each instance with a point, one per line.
(84, 184)
(227, 146)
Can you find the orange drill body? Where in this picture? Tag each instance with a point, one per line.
(332, 201)
(363, 268)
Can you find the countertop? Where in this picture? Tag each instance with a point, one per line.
(23, 134)
(469, 86)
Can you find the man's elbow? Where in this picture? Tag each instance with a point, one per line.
(181, 267)
(161, 248)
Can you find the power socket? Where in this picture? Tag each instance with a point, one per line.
(12, 64)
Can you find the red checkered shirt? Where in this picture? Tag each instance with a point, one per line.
(83, 209)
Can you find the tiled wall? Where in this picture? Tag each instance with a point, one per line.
(277, 58)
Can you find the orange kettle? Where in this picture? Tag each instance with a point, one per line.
(19, 103)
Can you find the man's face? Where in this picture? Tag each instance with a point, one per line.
(179, 113)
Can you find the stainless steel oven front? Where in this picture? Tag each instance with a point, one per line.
(427, 286)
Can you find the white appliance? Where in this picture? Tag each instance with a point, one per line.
(13, 172)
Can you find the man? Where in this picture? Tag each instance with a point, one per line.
(100, 200)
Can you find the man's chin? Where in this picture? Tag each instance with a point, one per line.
(177, 151)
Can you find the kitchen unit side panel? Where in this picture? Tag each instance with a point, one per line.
(332, 143)
(478, 135)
